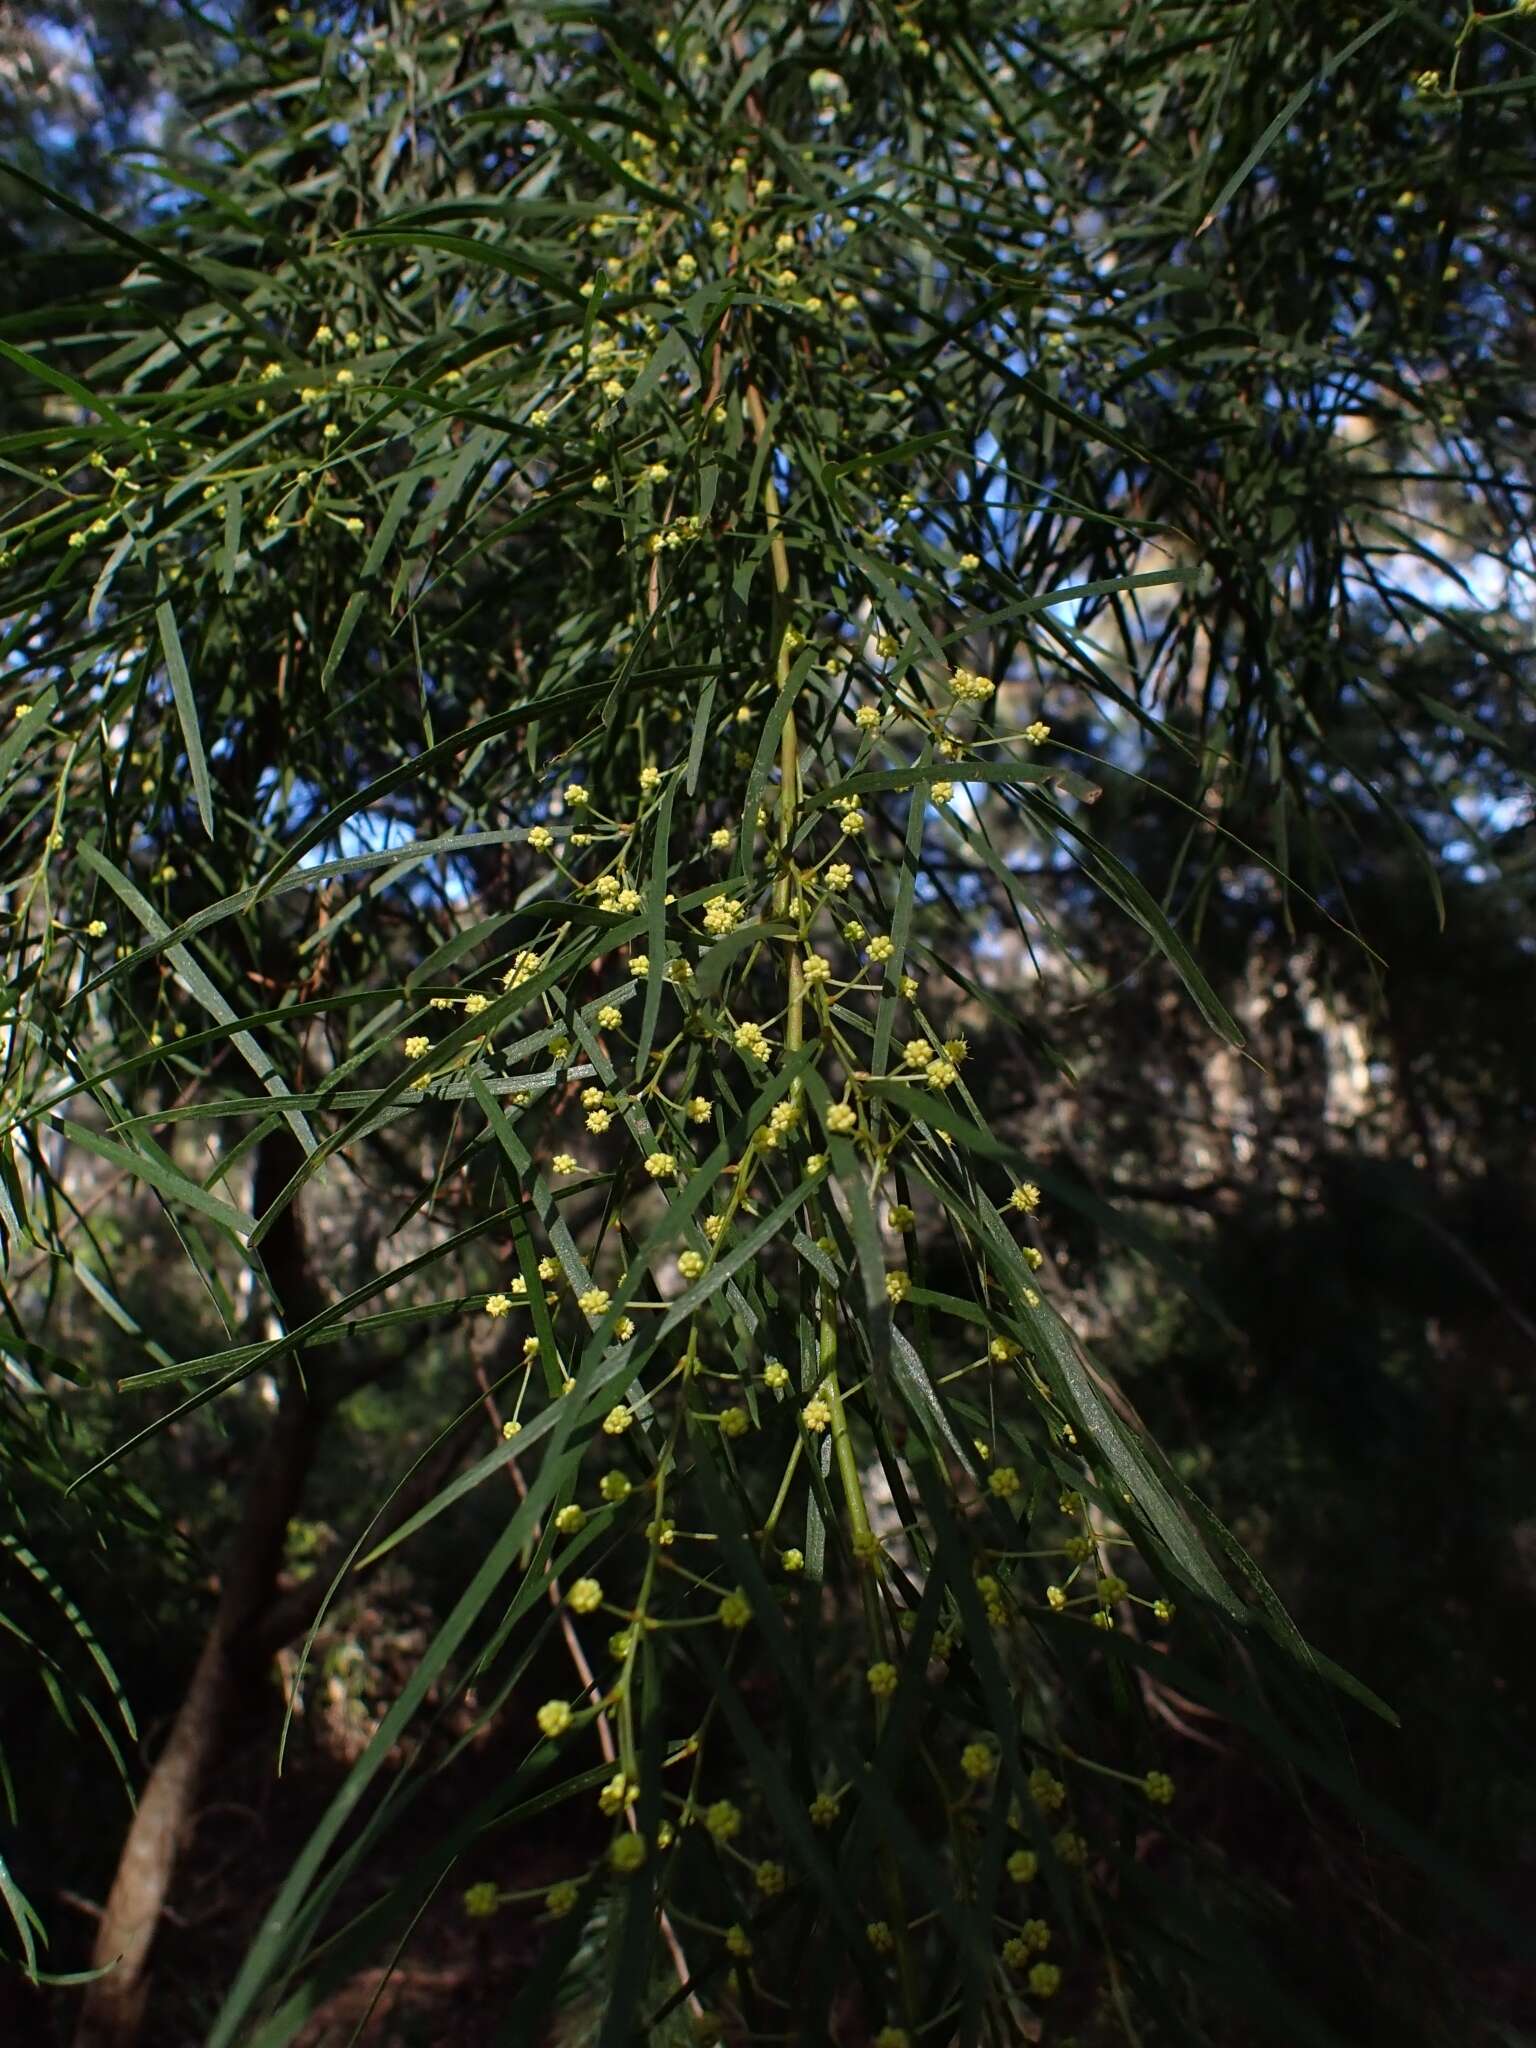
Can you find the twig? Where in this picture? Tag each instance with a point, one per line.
(578, 1655)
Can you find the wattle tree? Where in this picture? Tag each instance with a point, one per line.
(566, 574)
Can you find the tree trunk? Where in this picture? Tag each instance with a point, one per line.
(232, 1660)
(233, 1657)
(113, 2011)
(256, 1616)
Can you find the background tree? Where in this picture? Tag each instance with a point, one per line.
(597, 608)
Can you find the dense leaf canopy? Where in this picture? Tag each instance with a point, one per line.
(566, 574)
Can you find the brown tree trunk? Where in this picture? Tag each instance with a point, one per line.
(232, 1660)
(113, 2011)
(256, 1616)
(233, 1657)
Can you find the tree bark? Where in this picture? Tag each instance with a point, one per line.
(255, 1617)
(233, 1657)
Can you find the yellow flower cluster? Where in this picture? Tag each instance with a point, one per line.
(969, 687)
